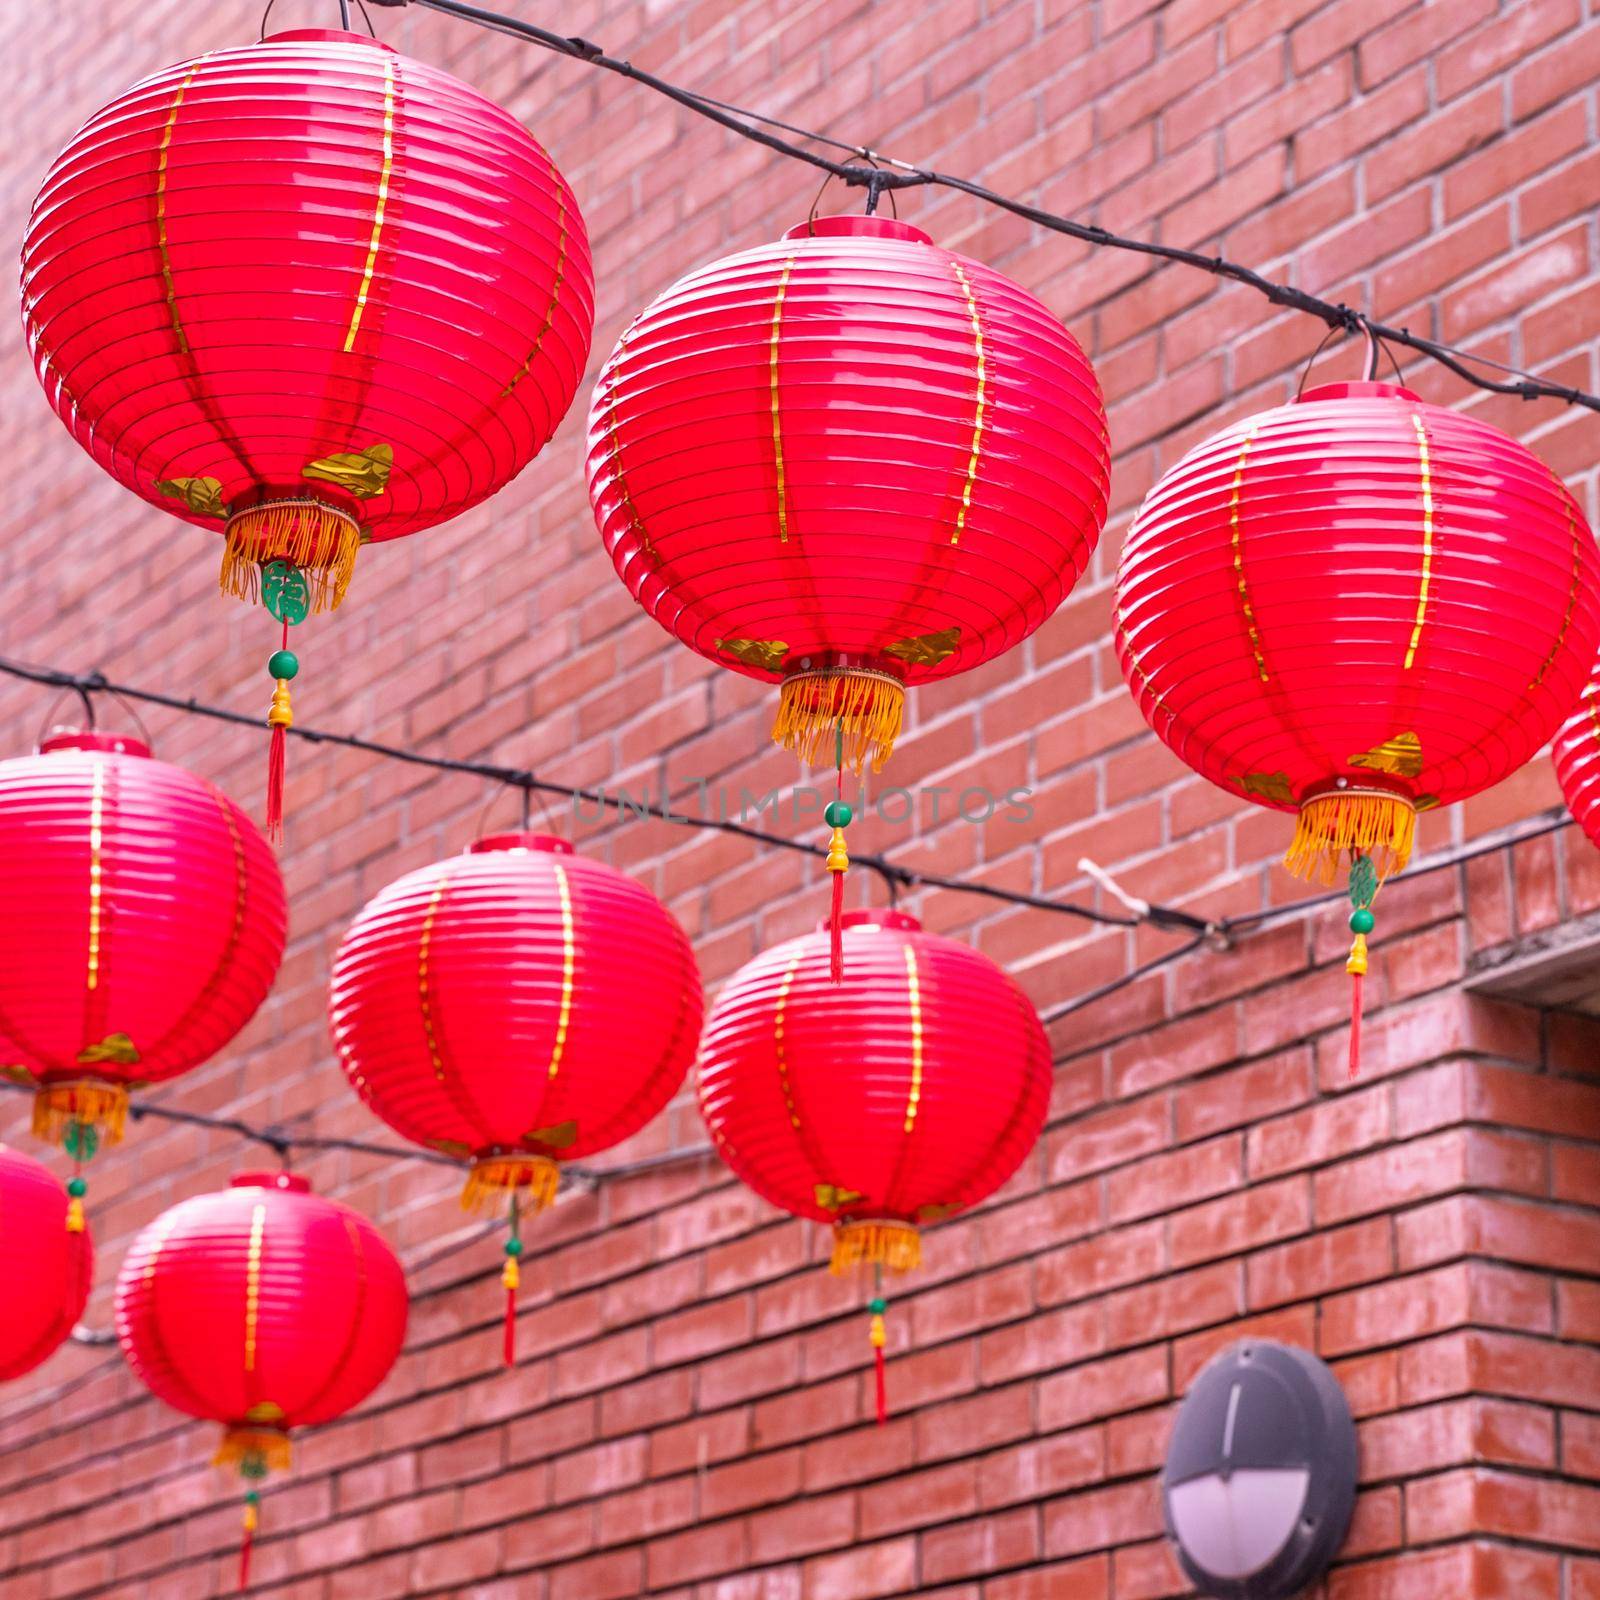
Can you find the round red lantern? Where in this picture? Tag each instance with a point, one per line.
(1577, 757)
(142, 920)
(46, 1262)
(899, 1096)
(1355, 607)
(517, 1006)
(307, 293)
(263, 1307)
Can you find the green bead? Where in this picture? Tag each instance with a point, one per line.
(513, 1247)
(252, 1497)
(1362, 920)
(77, 1188)
(283, 664)
(877, 1306)
(837, 814)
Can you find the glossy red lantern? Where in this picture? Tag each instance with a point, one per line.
(899, 1096)
(517, 1006)
(46, 1263)
(142, 920)
(310, 294)
(1577, 758)
(846, 463)
(1356, 607)
(263, 1307)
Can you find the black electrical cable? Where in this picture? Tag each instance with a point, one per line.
(907, 176)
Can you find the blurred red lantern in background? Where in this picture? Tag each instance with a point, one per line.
(308, 293)
(900, 1096)
(142, 920)
(517, 1006)
(1355, 607)
(847, 463)
(263, 1307)
(1577, 759)
(46, 1262)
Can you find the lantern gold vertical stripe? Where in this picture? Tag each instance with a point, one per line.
(914, 1000)
(568, 962)
(1572, 598)
(777, 421)
(252, 1285)
(614, 439)
(784, 985)
(555, 288)
(1426, 470)
(161, 209)
(380, 206)
(96, 869)
(1236, 532)
(424, 941)
(982, 403)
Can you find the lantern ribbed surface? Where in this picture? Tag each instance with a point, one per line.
(142, 920)
(46, 1267)
(901, 1095)
(1577, 758)
(848, 461)
(263, 1307)
(310, 292)
(1357, 606)
(517, 1005)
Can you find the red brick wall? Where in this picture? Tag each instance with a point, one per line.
(690, 1417)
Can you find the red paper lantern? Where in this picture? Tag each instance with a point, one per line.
(308, 293)
(1355, 607)
(517, 1006)
(46, 1262)
(846, 463)
(900, 1096)
(263, 1307)
(142, 921)
(1577, 758)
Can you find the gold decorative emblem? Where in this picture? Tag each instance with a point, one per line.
(832, 1198)
(927, 649)
(451, 1147)
(561, 1137)
(936, 1213)
(363, 473)
(1426, 802)
(1400, 756)
(117, 1047)
(1273, 786)
(203, 496)
(767, 654)
(18, 1074)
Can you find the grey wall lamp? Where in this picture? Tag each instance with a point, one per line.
(1260, 1479)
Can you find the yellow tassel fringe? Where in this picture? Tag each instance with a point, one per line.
(318, 538)
(104, 1105)
(533, 1179)
(895, 1245)
(813, 705)
(271, 1444)
(1379, 823)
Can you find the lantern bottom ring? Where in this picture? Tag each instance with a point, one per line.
(877, 1241)
(102, 1106)
(532, 1178)
(1370, 818)
(847, 713)
(319, 538)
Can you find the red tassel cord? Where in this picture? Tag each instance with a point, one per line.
(511, 1277)
(1363, 891)
(252, 1514)
(838, 816)
(877, 1305)
(283, 665)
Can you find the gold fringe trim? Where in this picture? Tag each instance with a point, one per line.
(812, 705)
(318, 538)
(533, 1179)
(270, 1444)
(895, 1245)
(105, 1105)
(1379, 823)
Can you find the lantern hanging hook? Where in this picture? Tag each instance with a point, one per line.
(344, 17)
(82, 691)
(871, 177)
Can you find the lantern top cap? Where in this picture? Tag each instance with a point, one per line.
(288, 1182)
(879, 917)
(336, 35)
(874, 227)
(1358, 391)
(551, 843)
(121, 744)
